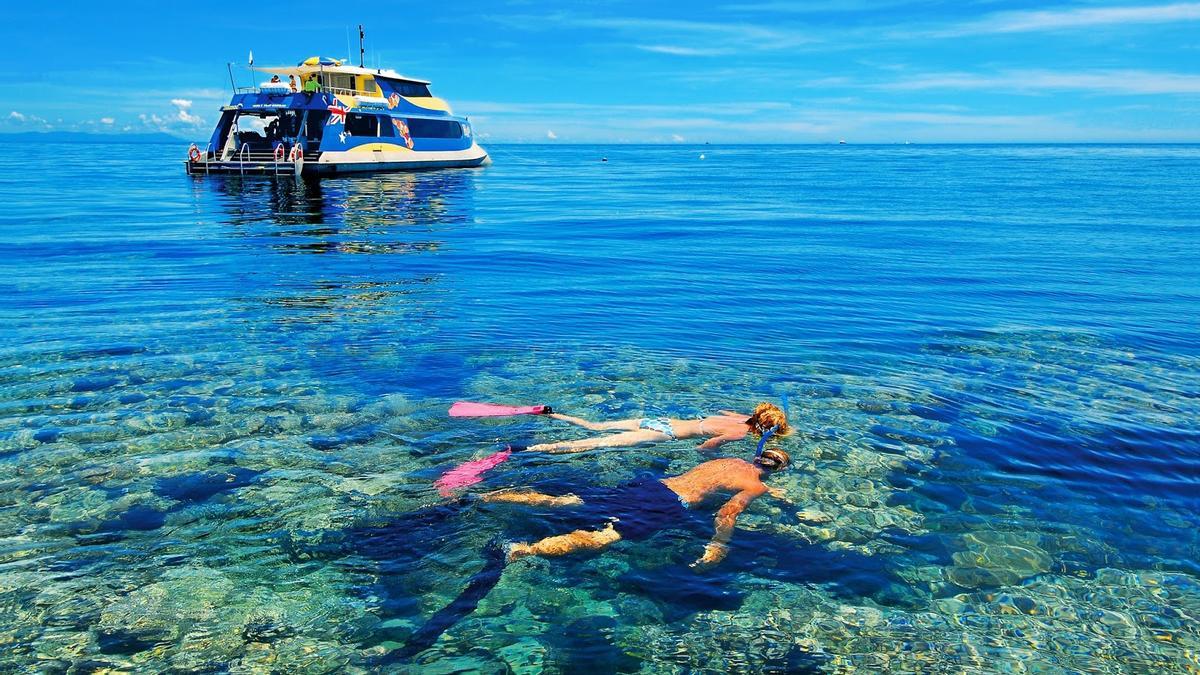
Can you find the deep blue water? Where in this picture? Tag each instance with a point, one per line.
(222, 405)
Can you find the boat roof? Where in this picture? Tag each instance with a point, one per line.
(326, 65)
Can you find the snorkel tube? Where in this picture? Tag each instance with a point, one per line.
(762, 443)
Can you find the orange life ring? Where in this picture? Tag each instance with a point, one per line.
(279, 152)
(296, 153)
(193, 153)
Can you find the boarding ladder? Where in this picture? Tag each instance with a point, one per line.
(245, 161)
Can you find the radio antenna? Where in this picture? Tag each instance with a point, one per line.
(361, 51)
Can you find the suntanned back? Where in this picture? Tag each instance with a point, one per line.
(727, 474)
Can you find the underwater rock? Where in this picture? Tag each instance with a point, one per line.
(138, 517)
(265, 629)
(813, 515)
(587, 645)
(95, 383)
(47, 435)
(198, 487)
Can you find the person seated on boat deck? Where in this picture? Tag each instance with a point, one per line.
(275, 79)
(719, 429)
(644, 506)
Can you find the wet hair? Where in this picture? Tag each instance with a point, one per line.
(773, 459)
(767, 415)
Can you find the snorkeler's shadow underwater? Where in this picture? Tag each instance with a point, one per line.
(677, 591)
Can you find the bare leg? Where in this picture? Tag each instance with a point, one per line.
(620, 440)
(579, 540)
(531, 498)
(615, 425)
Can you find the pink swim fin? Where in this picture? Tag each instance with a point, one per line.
(468, 409)
(469, 473)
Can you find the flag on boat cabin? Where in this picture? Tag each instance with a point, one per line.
(251, 57)
(337, 113)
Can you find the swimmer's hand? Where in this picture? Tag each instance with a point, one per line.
(714, 553)
(779, 493)
(716, 442)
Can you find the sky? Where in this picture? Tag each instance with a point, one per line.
(615, 71)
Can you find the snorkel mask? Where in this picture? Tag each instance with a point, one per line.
(773, 460)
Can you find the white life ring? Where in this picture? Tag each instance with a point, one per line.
(279, 152)
(296, 153)
(193, 153)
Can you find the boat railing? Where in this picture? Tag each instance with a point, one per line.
(241, 158)
(351, 92)
(333, 90)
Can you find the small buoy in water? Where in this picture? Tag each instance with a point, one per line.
(701, 156)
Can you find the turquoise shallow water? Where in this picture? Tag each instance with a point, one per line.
(222, 405)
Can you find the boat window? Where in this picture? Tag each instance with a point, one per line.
(412, 89)
(386, 128)
(362, 125)
(340, 81)
(423, 128)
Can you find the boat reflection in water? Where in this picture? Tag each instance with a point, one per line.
(376, 251)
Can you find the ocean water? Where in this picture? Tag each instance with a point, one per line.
(223, 405)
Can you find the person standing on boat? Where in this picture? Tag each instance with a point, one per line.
(292, 83)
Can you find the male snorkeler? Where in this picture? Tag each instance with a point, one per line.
(719, 429)
(633, 511)
(646, 505)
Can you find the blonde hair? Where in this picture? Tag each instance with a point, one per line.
(767, 415)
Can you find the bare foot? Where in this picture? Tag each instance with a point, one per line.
(517, 550)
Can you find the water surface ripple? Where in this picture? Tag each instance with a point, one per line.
(222, 405)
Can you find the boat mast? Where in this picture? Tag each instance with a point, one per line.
(361, 51)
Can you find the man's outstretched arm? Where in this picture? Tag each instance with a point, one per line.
(724, 523)
(718, 441)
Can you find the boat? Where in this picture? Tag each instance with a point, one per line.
(323, 116)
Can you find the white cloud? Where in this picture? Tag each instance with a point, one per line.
(182, 108)
(682, 51)
(107, 120)
(1124, 82)
(677, 138)
(153, 121)
(679, 37)
(1046, 20)
(551, 135)
(21, 119)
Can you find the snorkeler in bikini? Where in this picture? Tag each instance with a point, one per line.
(644, 506)
(719, 429)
